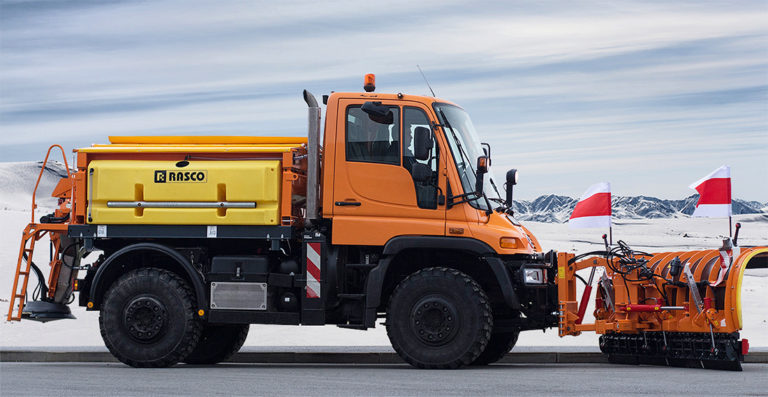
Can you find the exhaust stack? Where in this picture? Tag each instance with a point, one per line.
(313, 157)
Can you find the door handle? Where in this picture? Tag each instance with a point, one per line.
(348, 203)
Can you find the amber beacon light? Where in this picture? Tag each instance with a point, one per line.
(370, 82)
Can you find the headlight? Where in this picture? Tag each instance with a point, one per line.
(533, 276)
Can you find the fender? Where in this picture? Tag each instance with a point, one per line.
(482, 250)
(97, 288)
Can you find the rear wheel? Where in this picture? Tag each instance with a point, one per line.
(498, 346)
(218, 343)
(147, 318)
(439, 318)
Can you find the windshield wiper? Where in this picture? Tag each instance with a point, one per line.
(468, 161)
(496, 189)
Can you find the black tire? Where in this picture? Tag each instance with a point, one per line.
(439, 318)
(147, 318)
(218, 343)
(498, 346)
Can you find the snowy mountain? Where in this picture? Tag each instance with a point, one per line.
(18, 181)
(557, 209)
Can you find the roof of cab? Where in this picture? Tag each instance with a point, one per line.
(427, 100)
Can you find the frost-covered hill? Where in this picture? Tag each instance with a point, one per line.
(18, 182)
(554, 208)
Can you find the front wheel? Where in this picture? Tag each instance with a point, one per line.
(218, 343)
(148, 320)
(498, 346)
(439, 318)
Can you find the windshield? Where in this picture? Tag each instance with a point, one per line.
(466, 148)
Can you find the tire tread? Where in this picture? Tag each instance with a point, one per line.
(480, 300)
(176, 283)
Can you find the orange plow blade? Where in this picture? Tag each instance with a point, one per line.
(672, 308)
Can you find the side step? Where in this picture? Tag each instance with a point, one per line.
(360, 298)
(676, 349)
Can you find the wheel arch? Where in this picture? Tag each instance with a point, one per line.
(407, 254)
(125, 259)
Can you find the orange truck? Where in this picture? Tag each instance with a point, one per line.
(181, 242)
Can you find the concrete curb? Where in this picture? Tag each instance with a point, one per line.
(327, 357)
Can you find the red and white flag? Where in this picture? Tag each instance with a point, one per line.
(714, 194)
(593, 208)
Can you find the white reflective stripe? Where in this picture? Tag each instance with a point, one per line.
(313, 288)
(313, 262)
(712, 211)
(590, 221)
(313, 256)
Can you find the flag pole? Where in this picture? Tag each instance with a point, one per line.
(730, 226)
(610, 234)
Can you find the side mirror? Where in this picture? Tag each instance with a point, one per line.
(482, 169)
(422, 143)
(378, 112)
(421, 172)
(511, 181)
(487, 150)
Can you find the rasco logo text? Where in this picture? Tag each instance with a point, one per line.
(188, 176)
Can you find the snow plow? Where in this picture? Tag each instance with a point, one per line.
(181, 242)
(672, 308)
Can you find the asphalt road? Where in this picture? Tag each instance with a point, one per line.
(78, 379)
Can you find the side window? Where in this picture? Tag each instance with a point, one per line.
(370, 141)
(426, 190)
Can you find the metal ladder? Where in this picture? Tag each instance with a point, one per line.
(20, 282)
(32, 233)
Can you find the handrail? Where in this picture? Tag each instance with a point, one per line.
(40, 176)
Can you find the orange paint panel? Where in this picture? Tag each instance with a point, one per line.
(350, 230)
(491, 228)
(378, 184)
(373, 202)
(79, 198)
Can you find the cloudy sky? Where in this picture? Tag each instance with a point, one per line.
(650, 96)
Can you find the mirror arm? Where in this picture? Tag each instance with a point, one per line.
(465, 198)
(440, 195)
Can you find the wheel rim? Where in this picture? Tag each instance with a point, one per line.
(434, 320)
(145, 319)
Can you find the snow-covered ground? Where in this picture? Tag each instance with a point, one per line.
(651, 235)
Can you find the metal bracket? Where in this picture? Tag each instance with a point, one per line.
(605, 284)
(693, 287)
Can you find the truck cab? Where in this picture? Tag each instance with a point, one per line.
(375, 188)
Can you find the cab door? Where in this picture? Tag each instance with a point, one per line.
(375, 196)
